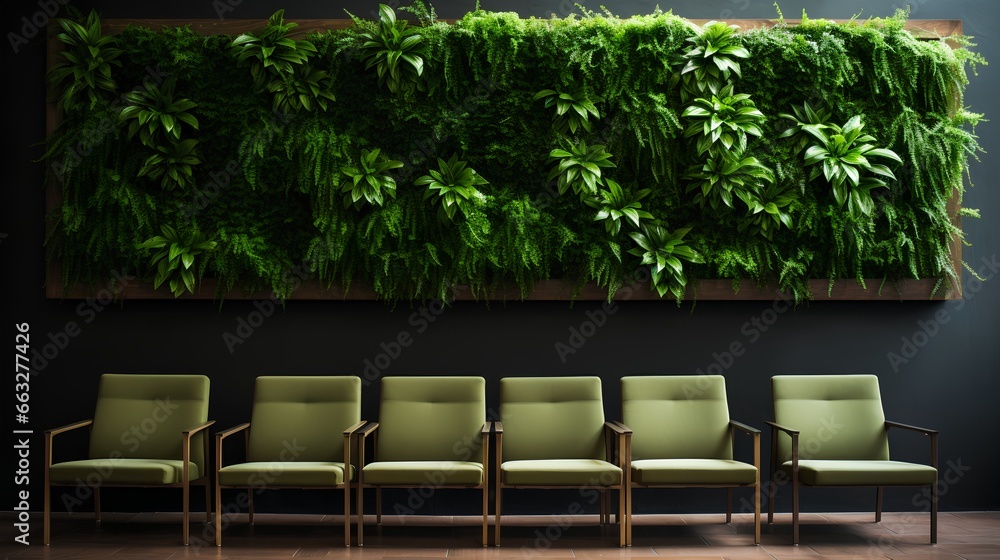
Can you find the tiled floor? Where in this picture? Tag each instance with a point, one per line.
(705, 537)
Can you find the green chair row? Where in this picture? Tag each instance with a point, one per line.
(432, 432)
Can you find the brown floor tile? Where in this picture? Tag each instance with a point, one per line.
(836, 536)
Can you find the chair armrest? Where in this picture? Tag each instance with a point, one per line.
(925, 431)
(777, 426)
(219, 436)
(618, 428)
(743, 427)
(68, 427)
(194, 430)
(933, 434)
(367, 430)
(186, 448)
(350, 431)
(50, 439)
(498, 427)
(487, 429)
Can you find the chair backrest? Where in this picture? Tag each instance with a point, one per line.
(552, 418)
(431, 419)
(140, 416)
(302, 418)
(839, 417)
(677, 417)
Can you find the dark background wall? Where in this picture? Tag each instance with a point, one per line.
(950, 381)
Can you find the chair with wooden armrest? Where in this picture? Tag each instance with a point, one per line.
(300, 435)
(147, 430)
(682, 437)
(431, 431)
(830, 431)
(553, 435)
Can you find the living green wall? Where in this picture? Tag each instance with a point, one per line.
(267, 187)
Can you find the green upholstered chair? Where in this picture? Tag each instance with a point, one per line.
(432, 432)
(553, 435)
(147, 430)
(830, 431)
(682, 437)
(299, 436)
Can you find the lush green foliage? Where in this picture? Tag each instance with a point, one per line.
(87, 65)
(310, 168)
(175, 258)
(454, 184)
(394, 49)
(280, 66)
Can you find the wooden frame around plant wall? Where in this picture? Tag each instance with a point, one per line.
(845, 289)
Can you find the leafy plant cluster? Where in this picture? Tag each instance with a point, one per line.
(416, 158)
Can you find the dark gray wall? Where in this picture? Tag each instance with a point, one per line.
(950, 382)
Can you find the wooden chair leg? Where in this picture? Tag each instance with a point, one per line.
(729, 506)
(878, 505)
(622, 524)
(795, 511)
(361, 513)
(218, 514)
(496, 521)
(97, 504)
(186, 515)
(486, 514)
(347, 513)
(934, 512)
(46, 510)
(250, 504)
(378, 506)
(756, 510)
(604, 517)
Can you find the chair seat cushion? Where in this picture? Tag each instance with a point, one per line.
(863, 473)
(122, 471)
(560, 472)
(283, 473)
(417, 473)
(692, 471)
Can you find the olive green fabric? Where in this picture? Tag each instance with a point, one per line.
(839, 417)
(552, 418)
(141, 416)
(560, 472)
(302, 418)
(692, 471)
(122, 471)
(280, 473)
(677, 417)
(863, 473)
(424, 473)
(431, 419)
